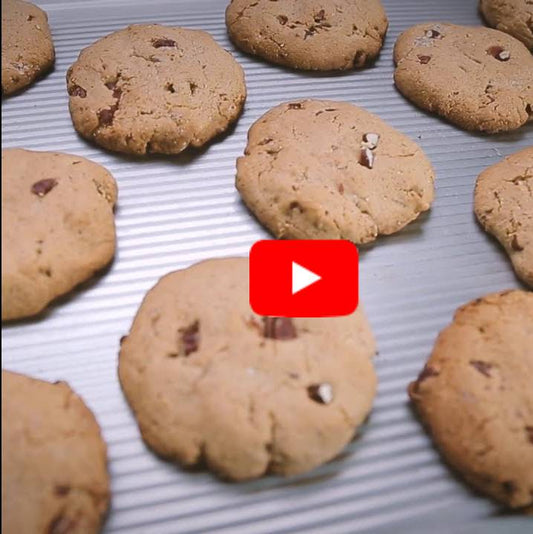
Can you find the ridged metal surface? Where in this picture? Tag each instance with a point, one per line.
(175, 211)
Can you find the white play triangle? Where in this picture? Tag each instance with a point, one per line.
(302, 277)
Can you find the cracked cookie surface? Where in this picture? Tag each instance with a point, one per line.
(58, 226)
(319, 169)
(211, 382)
(514, 17)
(154, 89)
(54, 472)
(503, 203)
(475, 396)
(27, 48)
(477, 78)
(309, 34)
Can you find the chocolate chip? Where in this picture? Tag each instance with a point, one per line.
(122, 339)
(433, 34)
(529, 433)
(62, 490)
(424, 59)
(426, 373)
(320, 16)
(481, 366)
(341, 189)
(282, 19)
(105, 116)
(117, 91)
(190, 338)
(295, 105)
(160, 43)
(499, 53)
(30, 18)
(62, 525)
(265, 141)
(509, 487)
(280, 328)
(359, 59)
(76, 90)
(321, 393)
(366, 158)
(515, 245)
(43, 187)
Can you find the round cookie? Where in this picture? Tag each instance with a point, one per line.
(154, 89)
(308, 34)
(514, 17)
(54, 472)
(477, 78)
(27, 48)
(58, 227)
(330, 170)
(503, 203)
(210, 381)
(475, 395)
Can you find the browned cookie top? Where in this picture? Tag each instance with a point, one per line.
(476, 397)
(54, 473)
(210, 381)
(478, 78)
(309, 34)
(154, 89)
(27, 48)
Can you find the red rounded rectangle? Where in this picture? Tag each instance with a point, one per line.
(304, 278)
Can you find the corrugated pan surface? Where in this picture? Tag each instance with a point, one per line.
(175, 211)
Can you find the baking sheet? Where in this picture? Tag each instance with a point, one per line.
(173, 212)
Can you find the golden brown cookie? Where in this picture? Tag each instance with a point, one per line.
(514, 17)
(503, 203)
(309, 34)
(210, 381)
(58, 227)
(154, 89)
(54, 472)
(477, 78)
(319, 169)
(475, 395)
(27, 48)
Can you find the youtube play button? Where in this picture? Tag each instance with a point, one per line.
(304, 278)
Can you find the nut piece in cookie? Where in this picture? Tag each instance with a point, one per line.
(475, 396)
(211, 383)
(309, 35)
(477, 78)
(152, 89)
(503, 204)
(27, 48)
(514, 17)
(319, 169)
(58, 227)
(54, 472)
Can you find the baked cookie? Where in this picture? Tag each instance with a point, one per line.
(54, 472)
(514, 17)
(503, 203)
(307, 34)
(330, 170)
(478, 78)
(475, 395)
(58, 226)
(154, 89)
(210, 381)
(27, 48)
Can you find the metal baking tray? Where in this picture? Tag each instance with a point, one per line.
(173, 212)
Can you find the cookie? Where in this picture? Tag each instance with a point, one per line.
(212, 383)
(27, 48)
(477, 78)
(310, 35)
(503, 203)
(154, 89)
(514, 17)
(54, 472)
(330, 170)
(475, 395)
(58, 227)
